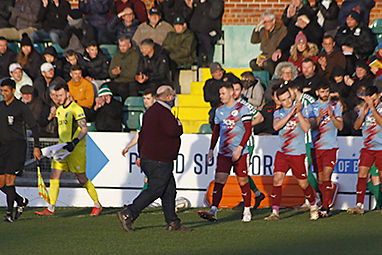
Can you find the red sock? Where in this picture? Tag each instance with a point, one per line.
(276, 195)
(361, 190)
(217, 194)
(326, 194)
(309, 194)
(246, 193)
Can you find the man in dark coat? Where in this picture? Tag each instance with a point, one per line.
(7, 57)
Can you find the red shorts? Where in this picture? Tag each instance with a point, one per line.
(370, 157)
(324, 158)
(224, 165)
(284, 162)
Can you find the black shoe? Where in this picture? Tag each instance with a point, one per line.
(20, 208)
(9, 218)
(258, 200)
(176, 226)
(126, 220)
(239, 206)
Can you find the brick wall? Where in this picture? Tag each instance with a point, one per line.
(247, 12)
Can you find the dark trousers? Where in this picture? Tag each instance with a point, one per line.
(123, 89)
(161, 184)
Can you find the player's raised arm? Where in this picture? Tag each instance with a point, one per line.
(372, 105)
(361, 117)
(338, 121)
(304, 122)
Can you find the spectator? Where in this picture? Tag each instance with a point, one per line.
(206, 23)
(30, 98)
(96, 12)
(77, 33)
(5, 12)
(108, 112)
(46, 80)
(123, 24)
(50, 55)
(153, 66)
(337, 82)
(269, 33)
(330, 57)
(309, 80)
(298, 17)
(95, 64)
(24, 19)
(20, 77)
(53, 16)
(285, 72)
(71, 59)
(47, 120)
(253, 90)
(375, 62)
(301, 50)
(356, 41)
(212, 86)
(327, 14)
(174, 8)
(7, 57)
(28, 58)
(81, 89)
(123, 68)
(137, 6)
(181, 46)
(361, 6)
(155, 29)
(266, 127)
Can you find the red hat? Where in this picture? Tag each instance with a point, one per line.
(300, 37)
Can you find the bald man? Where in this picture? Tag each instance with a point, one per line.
(158, 147)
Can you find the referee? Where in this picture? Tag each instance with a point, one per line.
(14, 116)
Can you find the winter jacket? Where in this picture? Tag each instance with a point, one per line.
(97, 67)
(137, 6)
(5, 12)
(42, 87)
(364, 6)
(211, 89)
(157, 33)
(361, 39)
(97, 11)
(118, 28)
(54, 17)
(32, 67)
(328, 16)
(25, 14)
(333, 59)
(128, 62)
(109, 117)
(6, 59)
(171, 9)
(181, 47)
(269, 40)
(82, 30)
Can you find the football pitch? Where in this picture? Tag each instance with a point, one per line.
(72, 231)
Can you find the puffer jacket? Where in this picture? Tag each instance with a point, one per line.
(97, 67)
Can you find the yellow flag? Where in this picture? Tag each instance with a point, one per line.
(42, 190)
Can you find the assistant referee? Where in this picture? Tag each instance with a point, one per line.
(14, 116)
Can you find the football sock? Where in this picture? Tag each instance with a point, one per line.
(91, 191)
(361, 189)
(11, 195)
(217, 194)
(252, 185)
(376, 191)
(54, 189)
(145, 186)
(312, 180)
(276, 196)
(327, 185)
(246, 193)
(310, 195)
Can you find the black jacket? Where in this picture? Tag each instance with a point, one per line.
(330, 14)
(118, 28)
(83, 31)
(361, 39)
(6, 59)
(171, 9)
(108, 117)
(42, 87)
(32, 67)
(211, 89)
(5, 12)
(48, 128)
(54, 17)
(97, 67)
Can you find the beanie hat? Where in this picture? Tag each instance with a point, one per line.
(300, 38)
(104, 90)
(355, 15)
(25, 40)
(215, 66)
(75, 14)
(51, 51)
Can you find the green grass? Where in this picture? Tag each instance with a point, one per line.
(71, 231)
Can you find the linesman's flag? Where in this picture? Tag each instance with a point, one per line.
(42, 190)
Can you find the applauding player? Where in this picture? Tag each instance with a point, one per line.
(292, 123)
(370, 119)
(326, 119)
(233, 125)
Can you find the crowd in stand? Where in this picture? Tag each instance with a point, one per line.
(308, 45)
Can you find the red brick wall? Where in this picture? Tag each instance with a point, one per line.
(247, 12)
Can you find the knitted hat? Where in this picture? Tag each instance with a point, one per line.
(215, 66)
(300, 38)
(75, 14)
(355, 15)
(51, 51)
(104, 90)
(25, 40)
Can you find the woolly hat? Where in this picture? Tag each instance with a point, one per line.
(51, 51)
(355, 15)
(25, 40)
(75, 14)
(104, 90)
(300, 38)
